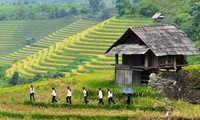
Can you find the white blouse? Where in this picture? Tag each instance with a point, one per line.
(32, 90)
(109, 94)
(53, 93)
(69, 93)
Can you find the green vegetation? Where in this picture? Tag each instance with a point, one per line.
(14, 33)
(71, 51)
(81, 53)
(93, 9)
(45, 42)
(145, 103)
(185, 14)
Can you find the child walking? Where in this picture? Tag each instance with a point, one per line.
(100, 97)
(53, 95)
(69, 94)
(110, 97)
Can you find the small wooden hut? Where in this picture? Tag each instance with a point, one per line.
(149, 49)
(158, 16)
(30, 40)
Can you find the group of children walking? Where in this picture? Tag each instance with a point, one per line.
(110, 96)
(69, 95)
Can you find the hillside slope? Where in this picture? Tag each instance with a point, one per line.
(57, 35)
(81, 53)
(14, 33)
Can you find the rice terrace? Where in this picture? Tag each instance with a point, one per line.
(100, 59)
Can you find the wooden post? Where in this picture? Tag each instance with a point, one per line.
(175, 63)
(116, 59)
(116, 63)
(166, 61)
(146, 59)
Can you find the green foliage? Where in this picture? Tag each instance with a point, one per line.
(2, 17)
(185, 14)
(192, 78)
(73, 11)
(123, 6)
(96, 5)
(45, 11)
(14, 78)
(3, 79)
(37, 77)
(53, 74)
(148, 10)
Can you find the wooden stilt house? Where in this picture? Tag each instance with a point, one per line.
(149, 49)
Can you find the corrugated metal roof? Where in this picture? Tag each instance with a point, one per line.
(129, 49)
(157, 15)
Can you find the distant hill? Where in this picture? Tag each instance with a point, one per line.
(12, 2)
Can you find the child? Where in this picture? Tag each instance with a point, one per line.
(100, 97)
(69, 94)
(32, 91)
(85, 94)
(53, 95)
(110, 97)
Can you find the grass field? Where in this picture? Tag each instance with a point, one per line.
(145, 102)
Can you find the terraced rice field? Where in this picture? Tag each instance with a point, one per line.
(13, 34)
(81, 53)
(56, 33)
(146, 104)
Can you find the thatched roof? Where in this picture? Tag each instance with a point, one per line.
(129, 49)
(162, 40)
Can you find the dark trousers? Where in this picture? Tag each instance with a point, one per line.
(32, 97)
(85, 99)
(128, 101)
(54, 99)
(111, 100)
(101, 101)
(68, 99)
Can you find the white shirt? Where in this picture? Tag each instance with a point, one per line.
(53, 93)
(100, 94)
(69, 93)
(32, 90)
(84, 92)
(109, 94)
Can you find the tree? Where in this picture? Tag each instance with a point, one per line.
(14, 78)
(123, 6)
(96, 5)
(30, 15)
(148, 10)
(2, 72)
(73, 11)
(2, 16)
(106, 14)
(20, 14)
(37, 77)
